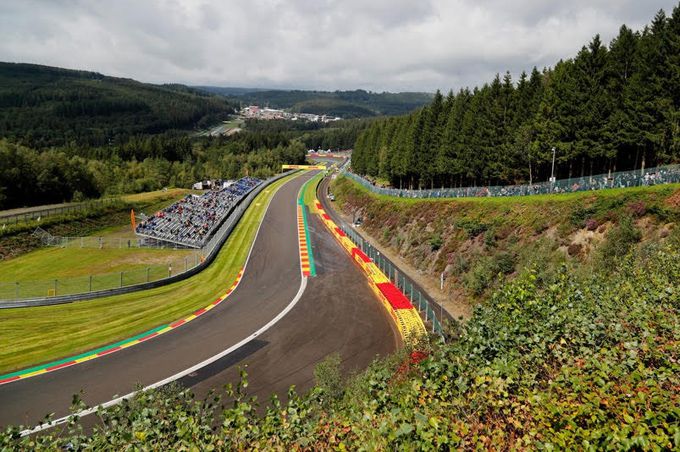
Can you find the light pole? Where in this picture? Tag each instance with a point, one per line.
(552, 172)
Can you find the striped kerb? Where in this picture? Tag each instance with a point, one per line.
(405, 316)
(106, 350)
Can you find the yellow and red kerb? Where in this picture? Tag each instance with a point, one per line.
(405, 316)
(302, 241)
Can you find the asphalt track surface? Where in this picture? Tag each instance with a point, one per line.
(337, 313)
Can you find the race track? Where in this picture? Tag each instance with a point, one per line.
(336, 313)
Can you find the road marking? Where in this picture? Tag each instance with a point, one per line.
(139, 338)
(177, 376)
(184, 373)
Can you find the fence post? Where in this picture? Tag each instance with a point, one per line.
(55, 287)
(121, 279)
(147, 274)
(17, 290)
(90, 283)
(185, 264)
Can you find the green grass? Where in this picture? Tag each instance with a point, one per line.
(35, 335)
(309, 194)
(514, 200)
(36, 271)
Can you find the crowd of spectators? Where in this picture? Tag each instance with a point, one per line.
(652, 176)
(191, 221)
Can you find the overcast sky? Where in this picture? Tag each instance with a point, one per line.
(394, 45)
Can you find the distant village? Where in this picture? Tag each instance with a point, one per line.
(256, 112)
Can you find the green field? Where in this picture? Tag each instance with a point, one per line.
(34, 274)
(34, 335)
(70, 270)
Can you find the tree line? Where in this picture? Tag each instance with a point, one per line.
(31, 177)
(613, 107)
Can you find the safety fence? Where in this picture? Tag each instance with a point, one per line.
(624, 179)
(32, 215)
(171, 266)
(419, 300)
(180, 265)
(103, 242)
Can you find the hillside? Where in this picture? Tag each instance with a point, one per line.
(345, 104)
(43, 106)
(480, 243)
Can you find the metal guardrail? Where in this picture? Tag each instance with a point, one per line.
(432, 311)
(143, 279)
(624, 179)
(421, 301)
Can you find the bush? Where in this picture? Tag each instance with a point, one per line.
(471, 227)
(586, 362)
(328, 377)
(620, 239)
(436, 242)
(505, 263)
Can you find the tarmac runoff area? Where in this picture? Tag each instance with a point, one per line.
(274, 324)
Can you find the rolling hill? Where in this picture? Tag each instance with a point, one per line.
(43, 106)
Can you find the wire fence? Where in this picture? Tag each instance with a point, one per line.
(20, 290)
(432, 312)
(94, 242)
(169, 268)
(39, 214)
(623, 179)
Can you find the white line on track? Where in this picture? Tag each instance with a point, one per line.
(212, 359)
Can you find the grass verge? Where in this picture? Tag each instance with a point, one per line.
(35, 335)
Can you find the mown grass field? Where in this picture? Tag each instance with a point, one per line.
(36, 271)
(35, 335)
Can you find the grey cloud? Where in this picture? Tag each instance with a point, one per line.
(315, 44)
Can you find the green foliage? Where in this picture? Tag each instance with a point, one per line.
(42, 107)
(486, 269)
(472, 227)
(345, 104)
(328, 378)
(620, 240)
(436, 242)
(580, 362)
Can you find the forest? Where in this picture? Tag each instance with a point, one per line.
(42, 107)
(30, 177)
(614, 107)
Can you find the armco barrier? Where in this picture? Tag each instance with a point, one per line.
(217, 242)
(405, 316)
(433, 311)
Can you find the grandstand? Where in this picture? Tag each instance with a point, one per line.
(191, 221)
